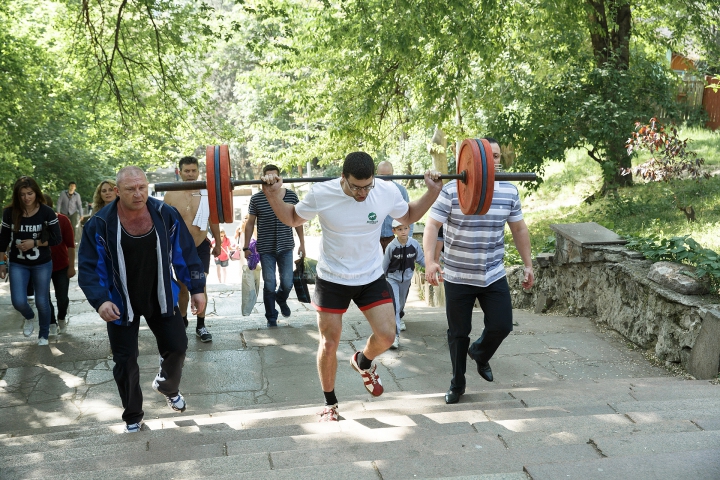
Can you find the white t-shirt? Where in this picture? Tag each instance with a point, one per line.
(350, 251)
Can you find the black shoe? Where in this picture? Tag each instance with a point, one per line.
(453, 396)
(284, 309)
(483, 369)
(272, 324)
(203, 334)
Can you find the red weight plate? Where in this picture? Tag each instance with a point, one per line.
(226, 186)
(468, 192)
(210, 180)
(489, 179)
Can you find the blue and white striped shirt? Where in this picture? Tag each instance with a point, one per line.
(475, 244)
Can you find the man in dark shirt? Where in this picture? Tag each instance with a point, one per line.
(137, 276)
(275, 245)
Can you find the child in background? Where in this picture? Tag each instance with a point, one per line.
(223, 259)
(399, 261)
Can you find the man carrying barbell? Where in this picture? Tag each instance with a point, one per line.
(351, 210)
(473, 256)
(193, 208)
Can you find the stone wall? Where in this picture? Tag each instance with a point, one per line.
(609, 283)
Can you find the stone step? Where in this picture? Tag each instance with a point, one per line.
(695, 465)
(389, 461)
(287, 452)
(518, 434)
(638, 444)
(620, 391)
(478, 462)
(699, 404)
(235, 467)
(490, 404)
(205, 431)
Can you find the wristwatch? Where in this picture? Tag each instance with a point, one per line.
(245, 249)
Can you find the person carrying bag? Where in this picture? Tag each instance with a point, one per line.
(250, 280)
(300, 282)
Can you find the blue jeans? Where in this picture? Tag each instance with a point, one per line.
(284, 262)
(39, 275)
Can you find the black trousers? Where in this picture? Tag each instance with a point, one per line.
(495, 303)
(172, 344)
(61, 283)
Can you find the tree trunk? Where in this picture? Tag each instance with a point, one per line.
(610, 24)
(438, 150)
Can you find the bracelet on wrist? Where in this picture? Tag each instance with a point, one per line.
(245, 249)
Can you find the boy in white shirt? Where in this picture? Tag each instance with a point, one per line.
(351, 210)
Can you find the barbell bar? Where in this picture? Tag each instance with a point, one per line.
(475, 166)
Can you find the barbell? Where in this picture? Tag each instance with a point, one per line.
(475, 166)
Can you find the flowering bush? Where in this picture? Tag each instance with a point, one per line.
(670, 158)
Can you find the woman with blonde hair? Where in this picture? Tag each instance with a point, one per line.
(104, 194)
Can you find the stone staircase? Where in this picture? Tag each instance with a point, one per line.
(569, 401)
(654, 428)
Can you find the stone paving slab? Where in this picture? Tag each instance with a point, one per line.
(579, 432)
(468, 463)
(697, 465)
(657, 443)
(708, 423)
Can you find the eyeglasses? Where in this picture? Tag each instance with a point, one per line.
(366, 188)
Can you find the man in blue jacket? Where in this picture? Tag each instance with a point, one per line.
(132, 254)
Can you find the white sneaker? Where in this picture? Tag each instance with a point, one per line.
(42, 341)
(62, 325)
(29, 327)
(134, 427)
(396, 343)
(53, 329)
(402, 326)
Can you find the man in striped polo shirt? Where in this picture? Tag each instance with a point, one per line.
(275, 245)
(474, 250)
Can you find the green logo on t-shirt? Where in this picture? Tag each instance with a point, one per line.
(372, 218)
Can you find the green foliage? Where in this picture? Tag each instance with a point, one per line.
(682, 249)
(60, 119)
(580, 107)
(645, 210)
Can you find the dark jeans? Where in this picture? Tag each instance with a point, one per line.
(61, 283)
(171, 342)
(268, 262)
(496, 305)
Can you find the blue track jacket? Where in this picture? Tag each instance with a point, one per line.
(101, 265)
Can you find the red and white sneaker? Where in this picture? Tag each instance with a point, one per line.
(329, 414)
(370, 378)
